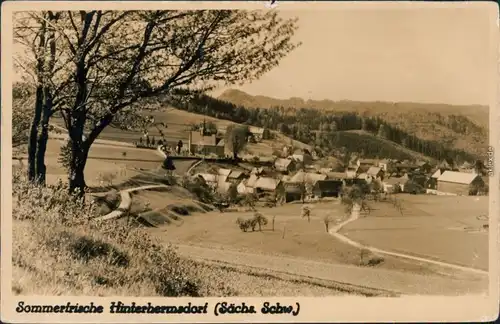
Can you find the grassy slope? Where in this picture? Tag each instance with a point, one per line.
(178, 122)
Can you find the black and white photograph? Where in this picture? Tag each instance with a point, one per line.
(271, 151)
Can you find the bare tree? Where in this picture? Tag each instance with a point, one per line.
(116, 59)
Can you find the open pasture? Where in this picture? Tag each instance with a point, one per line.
(444, 228)
(293, 236)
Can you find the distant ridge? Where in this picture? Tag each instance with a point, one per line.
(479, 114)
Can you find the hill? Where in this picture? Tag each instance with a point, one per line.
(462, 128)
(426, 130)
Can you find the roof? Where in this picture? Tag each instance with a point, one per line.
(267, 183)
(292, 187)
(224, 187)
(458, 177)
(221, 143)
(307, 177)
(336, 175)
(257, 170)
(207, 177)
(384, 161)
(325, 170)
(224, 172)
(373, 170)
(466, 165)
(422, 163)
(255, 130)
(252, 180)
(362, 175)
(329, 185)
(198, 139)
(235, 174)
(282, 162)
(396, 180)
(436, 174)
(368, 161)
(350, 174)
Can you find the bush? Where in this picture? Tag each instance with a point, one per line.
(85, 257)
(251, 223)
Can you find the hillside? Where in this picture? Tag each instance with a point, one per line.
(455, 128)
(476, 113)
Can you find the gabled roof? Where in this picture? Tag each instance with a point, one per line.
(373, 170)
(224, 172)
(436, 174)
(336, 175)
(207, 177)
(267, 183)
(235, 174)
(199, 139)
(362, 176)
(282, 162)
(252, 180)
(307, 177)
(422, 163)
(221, 143)
(368, 161)
(384, 161)
(396, 180)
(458, 177)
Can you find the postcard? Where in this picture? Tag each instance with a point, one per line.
(270, 162)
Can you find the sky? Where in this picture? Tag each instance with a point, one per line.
(419, 55)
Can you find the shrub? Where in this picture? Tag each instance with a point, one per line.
(260, 220)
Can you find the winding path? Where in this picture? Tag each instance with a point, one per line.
(355, 215)
(126, 202)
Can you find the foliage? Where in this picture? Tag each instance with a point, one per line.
(109, 61)
(22, 111)
(65, 155)
(199, 188)
(306, 212)
(251, 223)
(356, 195)
(236, 139)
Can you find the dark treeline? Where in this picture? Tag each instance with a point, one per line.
(323, 129)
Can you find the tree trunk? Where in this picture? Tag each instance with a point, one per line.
(79, 154)
(32, 143)
(43, 138)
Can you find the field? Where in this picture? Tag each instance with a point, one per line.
(436, 227)
(178, 123)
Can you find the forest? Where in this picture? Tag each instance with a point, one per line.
(349, 131)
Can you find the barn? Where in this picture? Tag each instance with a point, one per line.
(327, 188)
(460, 183)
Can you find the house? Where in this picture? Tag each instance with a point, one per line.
(223, 187)
(327, 188)
(236, 176)
(303, 157)
(293, 191)
(385, 164)
(307, 177)
(460, 183)
(257, 171)
(375, 172)
(268, 185)
(259, 134)
(405, 167)
(247, 186)
(336, 176)
(423, 166)
(394, 184)
(210, 179)
(364, 177)
(366, 163)
(200, 143)
(467, 167)
(325, 170)
(284, 165)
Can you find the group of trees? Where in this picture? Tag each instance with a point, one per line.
(320, 128)
(94, 68)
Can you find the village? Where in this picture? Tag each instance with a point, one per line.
(300, 175)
